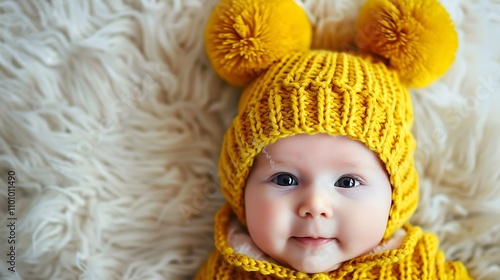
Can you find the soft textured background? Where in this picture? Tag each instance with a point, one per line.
(112, 119)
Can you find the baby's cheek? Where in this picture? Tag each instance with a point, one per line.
(369, 225)
(267, 213)
(276, 214)
(268, 223)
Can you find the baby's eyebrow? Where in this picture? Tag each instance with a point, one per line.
(352, 163)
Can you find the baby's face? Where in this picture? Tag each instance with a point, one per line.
(315, 201)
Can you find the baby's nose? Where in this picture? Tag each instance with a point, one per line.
(315, 204)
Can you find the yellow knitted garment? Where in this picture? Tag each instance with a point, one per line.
(418, 257)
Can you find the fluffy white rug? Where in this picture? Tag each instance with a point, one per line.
(112, 119)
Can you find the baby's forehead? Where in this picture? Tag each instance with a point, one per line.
(321, 142)
(297, 148)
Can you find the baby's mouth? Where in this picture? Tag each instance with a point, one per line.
(313, 241)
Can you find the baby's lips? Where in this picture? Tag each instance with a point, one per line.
(313, 242)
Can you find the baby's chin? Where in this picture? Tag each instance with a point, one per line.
(310, 268)
(311, 265)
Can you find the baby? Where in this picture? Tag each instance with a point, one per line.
(317, 167)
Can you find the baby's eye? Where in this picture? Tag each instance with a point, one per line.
(346, 182)
(284, 180)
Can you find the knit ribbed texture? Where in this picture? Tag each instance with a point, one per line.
(325, 92)
(417, 258)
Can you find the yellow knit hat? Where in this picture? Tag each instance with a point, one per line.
(264, 45)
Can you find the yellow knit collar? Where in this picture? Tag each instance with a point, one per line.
(247, 263)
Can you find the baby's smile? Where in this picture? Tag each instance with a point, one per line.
(311, 241)
(309, 236)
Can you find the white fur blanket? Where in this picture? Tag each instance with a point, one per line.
(112, 118)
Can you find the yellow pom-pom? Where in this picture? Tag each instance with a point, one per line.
(244, 37)
(417, 38)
